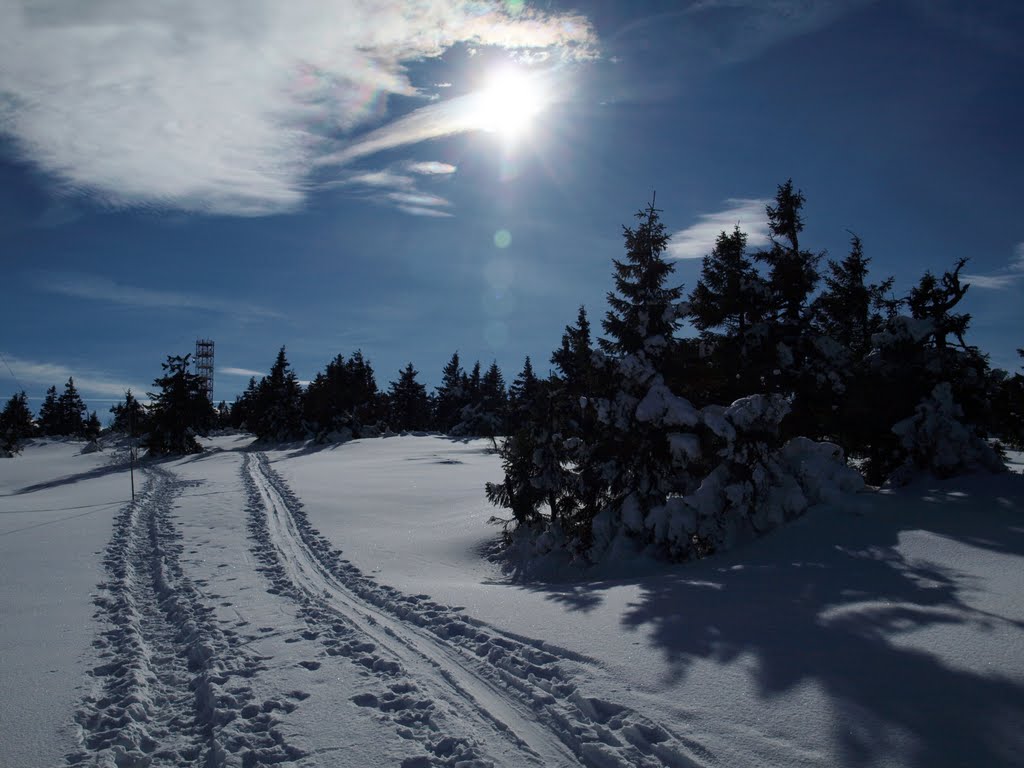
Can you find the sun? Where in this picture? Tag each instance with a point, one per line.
(509, 103)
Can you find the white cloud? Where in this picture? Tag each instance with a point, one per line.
(223, 106)
(101, 289)
(87, 382)
(1003, 278)
(417, 198)
(380, 179)
(388, 187)
(246, 372)
(698, 240)
(431, 168)
(419, 210)
(433, 121)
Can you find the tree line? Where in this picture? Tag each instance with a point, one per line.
(800, 366)
(685, 441)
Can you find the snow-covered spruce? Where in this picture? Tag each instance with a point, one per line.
(527, 692)
(171, 688)
(936, 440)
(735, 481)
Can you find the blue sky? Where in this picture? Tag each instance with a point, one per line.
(331, 175)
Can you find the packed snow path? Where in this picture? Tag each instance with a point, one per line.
(468, 693)
(172, 689)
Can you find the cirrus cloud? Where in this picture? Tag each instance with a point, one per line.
(225, 107)
(697, 240)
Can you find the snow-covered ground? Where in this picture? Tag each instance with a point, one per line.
(336, 607)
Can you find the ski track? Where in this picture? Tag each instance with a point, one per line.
(171, 689)
(470, 694)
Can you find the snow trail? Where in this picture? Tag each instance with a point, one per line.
(467, 692)
(172, 689)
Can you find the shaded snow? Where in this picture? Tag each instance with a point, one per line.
(884, 630)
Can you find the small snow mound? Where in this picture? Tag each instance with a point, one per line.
(821, 470)
(937, 441)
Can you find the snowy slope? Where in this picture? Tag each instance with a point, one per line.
(334, 607)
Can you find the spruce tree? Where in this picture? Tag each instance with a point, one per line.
(277, 412)
(851, 310)
(15, 424)
(933, 300)
(793, 271)
(242, 408)
(179, 411)
(727, 305)
(523, 392)
(71, 410)
(493, 402)
(129, 416)
(450, 396)
(640, 327)
(836, 389)
(643, 313)
(409, 406)
(574, 358)
(49, 414)
(91, 428)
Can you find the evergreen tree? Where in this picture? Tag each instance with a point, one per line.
(409, 406)
(129, 416)
(493, 402)
(277, 412)
(574, 358)
(727, 306)
(91, 428)
(241, 410)
(49, 414)
(15, 424)
(850, 310)
(523, 392)
(179, 411)
(450, 396)
(71, 410)
(793, 272)
(643, 313)
(223, 415)
(933, 300)
(344, 397)
(914, 370)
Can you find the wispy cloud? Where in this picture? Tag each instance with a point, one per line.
(421, 210)
(445, 118)
(88, 382)
(380, 179)
(399, 189)
(431, 168)
(698, 240)
(224, 107)
(737, 30)
(245, 372)
(102, 289)
(1004, 278)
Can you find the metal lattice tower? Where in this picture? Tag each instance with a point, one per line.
(204, 364)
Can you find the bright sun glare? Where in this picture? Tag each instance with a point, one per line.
(509, 102)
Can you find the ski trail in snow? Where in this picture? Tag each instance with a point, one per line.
(437, 670)
(171, 689)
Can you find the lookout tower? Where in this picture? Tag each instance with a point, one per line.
(204, 364)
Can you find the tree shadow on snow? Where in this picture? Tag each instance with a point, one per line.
(828, 600)
(92, 474)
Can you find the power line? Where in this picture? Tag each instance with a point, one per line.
(20, 387)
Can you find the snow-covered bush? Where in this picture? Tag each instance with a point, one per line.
(937, 440)
(740, 482)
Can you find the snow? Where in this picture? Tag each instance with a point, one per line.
(880, 629)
